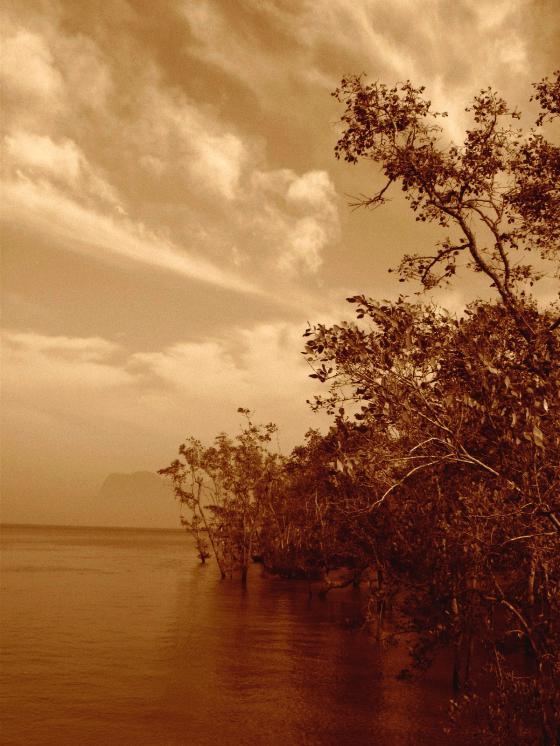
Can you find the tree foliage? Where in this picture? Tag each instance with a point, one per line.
(459, 458)
(225, 488)
(498, 193)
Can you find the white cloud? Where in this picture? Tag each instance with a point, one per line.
(358, 27)
(456, 48)
(197, 386)
(260, 362)
(491, 14)
(40, 152)
(81, 228)
(218, 162)
(63, 162)
(84, 348)
(304, 246)
(158, 394)
(511, 50)
(187, 142)
(50, 72)
(28, 66)
(297, 217)
(452, 299)
(51, 366)
(167, 139)
(310, 26)
(217, 45)
(312, 188)
(195, 368)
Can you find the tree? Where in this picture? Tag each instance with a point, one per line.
(307, 531)
(225, 488)
(498, 194)
(459, 463)
(461, 442)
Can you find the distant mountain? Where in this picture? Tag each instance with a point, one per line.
(141, 499)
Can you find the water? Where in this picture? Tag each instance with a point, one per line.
(117, 636)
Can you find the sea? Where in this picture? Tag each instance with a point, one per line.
(119, 636)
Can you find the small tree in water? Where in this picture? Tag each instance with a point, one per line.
(224, 488)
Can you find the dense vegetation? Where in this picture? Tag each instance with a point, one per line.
(439, 479)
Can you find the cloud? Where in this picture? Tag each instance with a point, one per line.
(238, 54)
(430, 44)
(86, 72)
(312, 188)
(183, 169)
(181, 140)
(62, 162)
(218, 162)
(41, 153)
(195, 387)
(261, 361)
(53, 187)
(78, 408)
(308, 29)
(82, 348)
(28, 67)
(296, 217)
(156, 395)
(304, 246)
(84, 229)
(40, 366)
(491, 14)
(274, 217)
(42, 65)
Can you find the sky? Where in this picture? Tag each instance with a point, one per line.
(173, 215)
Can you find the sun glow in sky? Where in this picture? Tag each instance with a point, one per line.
(173, 215)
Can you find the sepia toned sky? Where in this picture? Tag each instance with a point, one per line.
(173, 215)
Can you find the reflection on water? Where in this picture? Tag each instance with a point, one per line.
(120, 637)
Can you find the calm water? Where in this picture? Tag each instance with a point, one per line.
(114, 636)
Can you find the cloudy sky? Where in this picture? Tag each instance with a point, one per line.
(173, 215)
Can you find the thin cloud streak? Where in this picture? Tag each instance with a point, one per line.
(81, 229)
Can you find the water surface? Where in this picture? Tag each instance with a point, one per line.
(118, 636)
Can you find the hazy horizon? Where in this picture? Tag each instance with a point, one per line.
(5, 524)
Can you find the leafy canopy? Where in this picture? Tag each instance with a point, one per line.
(498, 193)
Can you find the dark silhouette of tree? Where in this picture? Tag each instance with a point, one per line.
(458, 465)
(498, 193)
